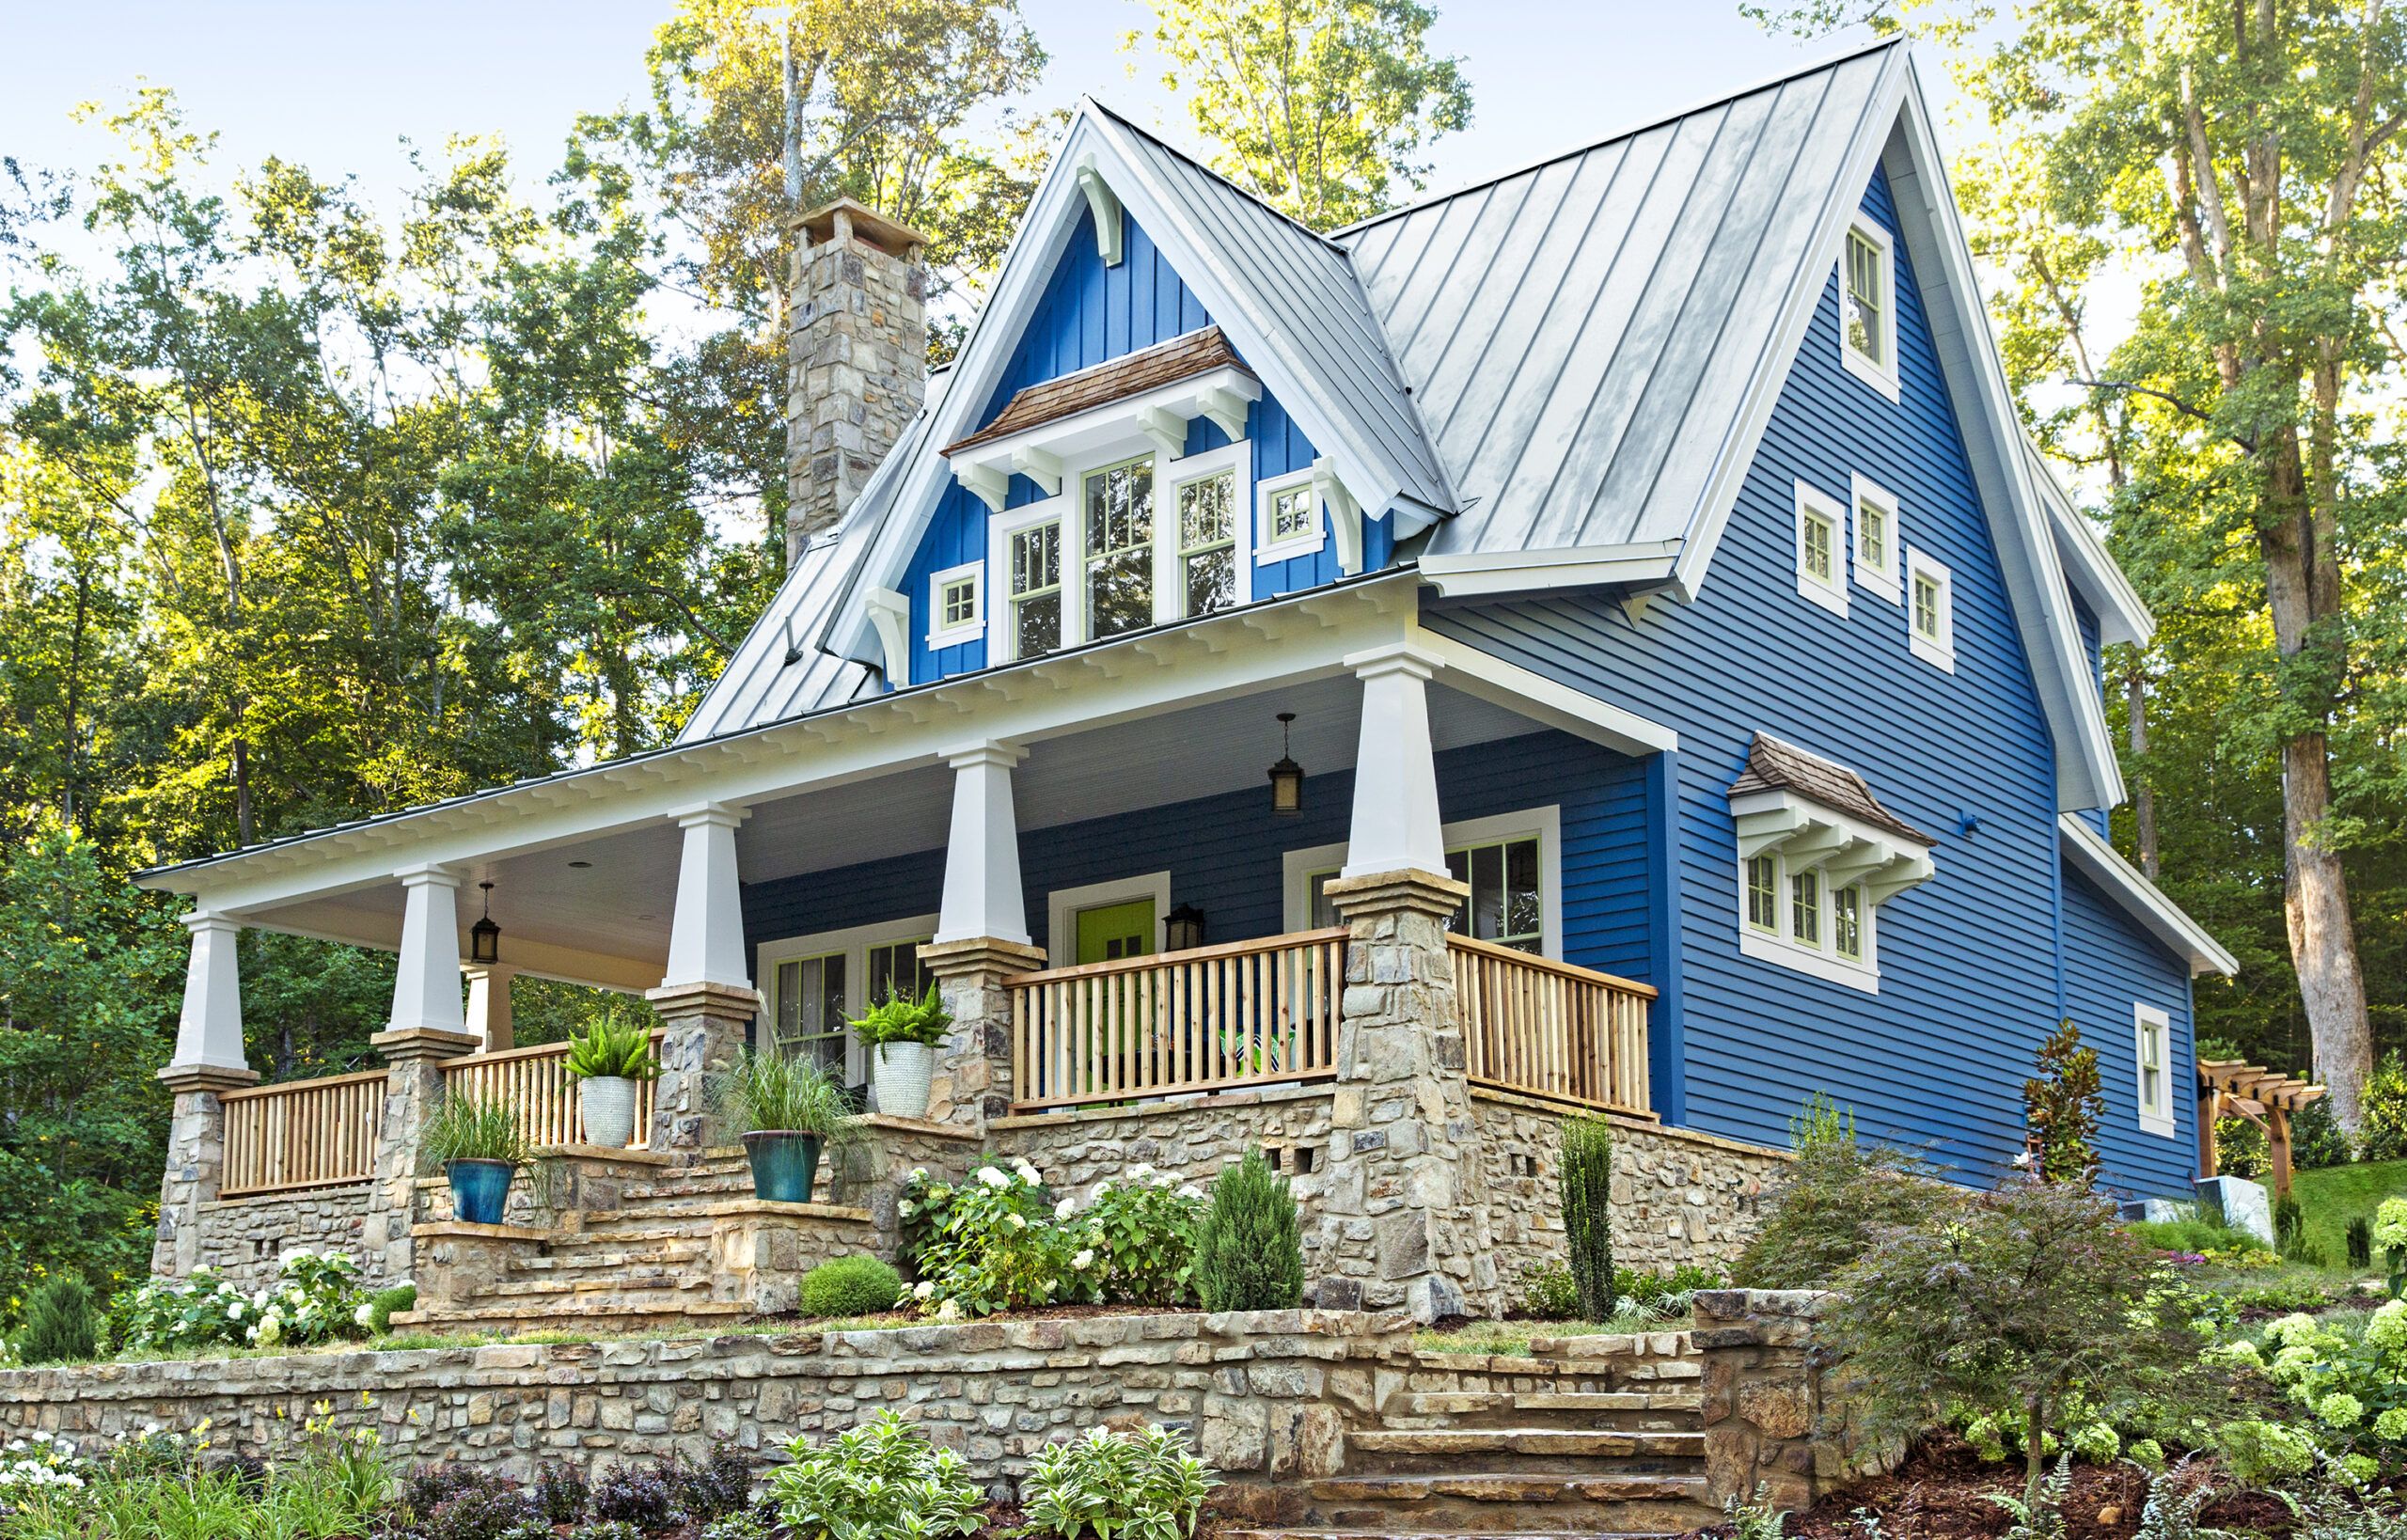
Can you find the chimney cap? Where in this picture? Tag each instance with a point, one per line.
(889, 236)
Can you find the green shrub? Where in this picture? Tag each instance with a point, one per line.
(2316, 1139)
(167, 1315)
(385, 1304)
(2063, 1104)
(608, 1049)
(856, 1285)
(1144, 1486)
(1587, 1175)
(903, 1018)
(61, 1325)
(2382, 1128)
(2196, 1234)
(1249, 1250)
(1142, 1229)
(1837, 1194)
(878, 1478)
(2359, 1238)
(1549, 1294)
(997, 1238)
(2242, 1149)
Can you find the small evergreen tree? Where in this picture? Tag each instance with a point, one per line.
(61, 1326)
(1249, 1250)
(2063, 1105)
(1587, 1211)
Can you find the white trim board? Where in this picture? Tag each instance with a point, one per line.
(1062, 905)
(2094, 858)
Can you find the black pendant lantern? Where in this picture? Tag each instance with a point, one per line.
(1182, 929)
(484, 937)
(1286, 776)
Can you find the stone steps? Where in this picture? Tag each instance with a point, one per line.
(1484, 1502)
(1666, 1410)
(1417, 1450)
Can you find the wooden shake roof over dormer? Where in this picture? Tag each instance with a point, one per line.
(1132, 374)
(1776, 766)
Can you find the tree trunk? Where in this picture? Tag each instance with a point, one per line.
(2035, 1455)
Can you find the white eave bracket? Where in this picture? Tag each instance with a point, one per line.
(890, 616)
(1344, 515)
(1104, 205)
(1847, 850)
(1155, 418)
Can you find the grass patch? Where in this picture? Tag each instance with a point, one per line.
(2332, 1197)
(1509, 1338)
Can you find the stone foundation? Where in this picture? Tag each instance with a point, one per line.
(1679, 1196)
(1770, 1418)
(244, 1239)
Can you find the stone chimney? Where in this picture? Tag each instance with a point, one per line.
(857, 350)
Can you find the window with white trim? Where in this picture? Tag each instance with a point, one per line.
(1512, 862)
(1763, 893)
(815, 984)
(1035, 588)
(1868, 307)
(1822, 550)
(1119, 528)
(1208, 542)
(2151, 1055)
(1930, 610)
(1811, 874)
(1876, 539)
(1797, 914)
(1290, 519)
(956, 604)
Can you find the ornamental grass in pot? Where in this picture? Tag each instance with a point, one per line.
(788, 1110)
(609, 1060)
(477, 1145)
(901, 1032)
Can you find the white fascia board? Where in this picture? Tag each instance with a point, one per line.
(2102, 864)
(2122, 615)
(1642, 564)
(1737, 454)
(1308, 636)
(1534, 696)
(2087, 774)
(1112, 423)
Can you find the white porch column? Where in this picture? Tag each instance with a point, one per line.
(983, 898)
(210, 1033)
(489, 1006)
(426, 988)
(707, 933)
(1395, 770)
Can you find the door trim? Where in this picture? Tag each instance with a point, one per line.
(1062, 905)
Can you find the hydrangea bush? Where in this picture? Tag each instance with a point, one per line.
(315, 1298)
(999, 1239)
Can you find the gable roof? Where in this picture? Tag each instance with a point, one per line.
(2086, 852)
(1773, 766)
(1197, 352)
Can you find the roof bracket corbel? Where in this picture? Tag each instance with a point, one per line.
(989, 484)
(1104, 205)
(1226, 409)
(1166, 430)
(890, 616)
(1344, 515)
(1041, 467)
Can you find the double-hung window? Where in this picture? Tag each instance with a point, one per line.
(1931, 611)
(1035, 563)
(810, 1003)
(1763, 893)
(1506, 904)
(1120, 548)
(1821, 549)
(1876, 539)
(1868, 308)
(1793, 914)
(1208, 537)
(2152, 1037)
(1511, 862)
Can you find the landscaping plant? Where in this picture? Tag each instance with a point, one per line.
(1142, 1229)
(614, 1050)
(315, 1298)
(904, 1018)
(777, 1092)
(2389, 1234)
(61, 1325)
(468, 1127)
(1144, 1485)
(641, 1494)
(2062, 1105)
(859, 1285)
(997, 1239)
(2357, 1236)
(1587, 1175)
(1249, 1250)
(383, 1303)
(1838, 1194)
(873, 1481)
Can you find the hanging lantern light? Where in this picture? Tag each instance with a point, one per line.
(1286, 776)
(484, 937)
(1182, 929)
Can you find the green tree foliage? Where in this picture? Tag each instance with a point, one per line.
(1321, 107)
(1587, 1176)
(2062, 1105)
(1249, 1250)
(1837, 1197)
(61, 1323)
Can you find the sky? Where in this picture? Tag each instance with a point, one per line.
(339, 84)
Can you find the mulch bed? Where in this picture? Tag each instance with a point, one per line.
(1938, 1494)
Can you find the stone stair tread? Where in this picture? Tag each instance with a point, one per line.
(1324, 1532)
(1465, 1403)
(1508, 1486)
(1605, 1442)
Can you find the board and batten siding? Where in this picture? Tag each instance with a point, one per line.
(2111, 966)
(1224, 853)
(1091, 314)
(1969, 961)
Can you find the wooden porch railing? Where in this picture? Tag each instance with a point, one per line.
(536, 1084)
(1547, 1028)
(302, 1134)
(1210, 1018)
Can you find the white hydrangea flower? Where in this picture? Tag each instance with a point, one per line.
(1014, 1221)
(993, 1176)
(1083, 1260)
(1064, 1209)
(925, 1291)
(907, 1208)
(918, 1173)
(1141, 1170)
(1190, 1191)
(949, 1311)
(1028, 1173)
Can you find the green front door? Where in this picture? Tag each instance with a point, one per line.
(1114, 931)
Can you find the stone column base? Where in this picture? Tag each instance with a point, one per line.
(705, 1029)
(195, 1160)
(412, 1086)
(972, 1083)
(760, 1250)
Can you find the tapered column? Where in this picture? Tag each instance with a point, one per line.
(1395, 769)
(426, 988)
(209, 1060)
(706, 1000)
(489, 1020)
(983, 897)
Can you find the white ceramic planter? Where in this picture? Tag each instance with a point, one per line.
(608, 1103)
(901, 1078)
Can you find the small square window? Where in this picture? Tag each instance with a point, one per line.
(1822, 550)
(1291, 523)
(1931, 611)
(956, 606)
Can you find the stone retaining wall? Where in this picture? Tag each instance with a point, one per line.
(242, 1239)
(1770, 1418)
(1679, 1196)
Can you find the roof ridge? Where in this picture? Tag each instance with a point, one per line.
(1631, 131)
(1230, 182)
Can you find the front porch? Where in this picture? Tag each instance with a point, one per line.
(1367, 966)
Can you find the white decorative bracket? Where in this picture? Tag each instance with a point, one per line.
(1105, 204)
(1041, 467)
(1226, 409)
(1846, 850)
(1344, 515)
(889, 615)
(1166, 430)
(990, 484)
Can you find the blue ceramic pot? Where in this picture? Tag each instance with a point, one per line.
(784, 1165)
(479, 1189)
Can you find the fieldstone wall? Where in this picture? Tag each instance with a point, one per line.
(1266, 1395)
(856, 365)
(244, 1239)
(1771, 1419)
(1679, 1196)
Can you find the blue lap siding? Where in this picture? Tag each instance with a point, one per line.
(2110, 964)
(1969, 961)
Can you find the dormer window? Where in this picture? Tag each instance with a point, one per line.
(1035, 569)
(1120, 547)
(1207, 542)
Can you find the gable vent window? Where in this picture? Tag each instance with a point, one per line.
(1811, 833)
(1120, 548)
(1867, 307)
(956, 606)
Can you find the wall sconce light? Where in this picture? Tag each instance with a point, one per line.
(1182, 929)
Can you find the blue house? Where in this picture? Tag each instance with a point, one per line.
(1599, 640)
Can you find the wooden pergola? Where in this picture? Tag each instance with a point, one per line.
(2232, 1087)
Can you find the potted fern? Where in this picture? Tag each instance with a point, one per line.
(477, 1145)
(788, 1110)
(609, 1059)
(903, 1033)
